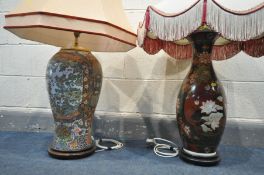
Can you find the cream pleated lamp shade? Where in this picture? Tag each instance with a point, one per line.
(102, 23)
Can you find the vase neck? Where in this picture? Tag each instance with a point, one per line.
(202, 47)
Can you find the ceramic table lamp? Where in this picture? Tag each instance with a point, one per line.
(205, 31)
(74, 75)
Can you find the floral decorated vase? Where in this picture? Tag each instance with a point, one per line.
(74, 79)
(201, 114)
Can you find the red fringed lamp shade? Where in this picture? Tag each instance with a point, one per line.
(238, 30)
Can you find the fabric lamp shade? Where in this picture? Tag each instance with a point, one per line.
(102, 23)
(168, 24)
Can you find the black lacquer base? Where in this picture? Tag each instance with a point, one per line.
(71, 155)
(201, 161)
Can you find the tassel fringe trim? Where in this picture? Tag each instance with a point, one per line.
(254, 48)
(236, 26)
(232, 25)
(172, 28)
(242, 28)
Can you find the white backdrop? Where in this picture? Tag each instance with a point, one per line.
(180, 5)
(134, 83)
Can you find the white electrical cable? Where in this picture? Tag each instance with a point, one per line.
(118, 145)
(162, 146)
(158, 147)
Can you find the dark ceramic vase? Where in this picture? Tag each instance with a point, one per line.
(74, 79)
(201, 115)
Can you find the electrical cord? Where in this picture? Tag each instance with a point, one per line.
(157, 147)
(118, 145)
(166, 145)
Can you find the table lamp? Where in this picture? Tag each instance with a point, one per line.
(74, 75)
(205, 31)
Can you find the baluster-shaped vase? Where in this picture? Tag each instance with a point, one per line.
(201, 115)
(74, 79)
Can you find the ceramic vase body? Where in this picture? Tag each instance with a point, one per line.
(201, 115)
(74, 81)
